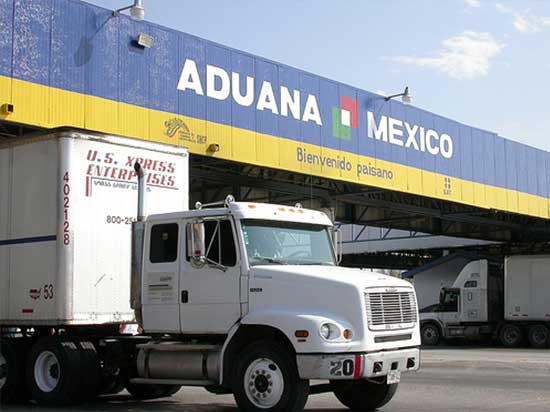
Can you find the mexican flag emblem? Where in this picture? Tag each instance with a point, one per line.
(345, 118)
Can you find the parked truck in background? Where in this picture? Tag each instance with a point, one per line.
(487, 299)
(241, 298)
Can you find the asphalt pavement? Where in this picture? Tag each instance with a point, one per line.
(451, 380)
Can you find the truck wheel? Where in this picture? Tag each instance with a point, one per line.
(266, 379)
(364, 396)
(170, 390)
(430, 334)
(13, 355)
(54, 372)
(111, 384)
(539, 336)
(510, 335)
(143, 391)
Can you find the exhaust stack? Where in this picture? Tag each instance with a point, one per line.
(138, 231)
(141, 191)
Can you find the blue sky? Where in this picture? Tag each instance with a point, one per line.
(484, 63)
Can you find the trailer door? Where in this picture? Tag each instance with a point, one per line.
(540, 288)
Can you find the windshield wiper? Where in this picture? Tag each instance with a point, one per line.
(269, 260)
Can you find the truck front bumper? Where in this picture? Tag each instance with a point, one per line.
(358, 365)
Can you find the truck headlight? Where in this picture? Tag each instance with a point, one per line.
(325, 331)
(329, 331)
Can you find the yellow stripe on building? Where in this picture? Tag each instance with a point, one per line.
(49, 107)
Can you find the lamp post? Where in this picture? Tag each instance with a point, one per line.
(406, 97)
(137, 11)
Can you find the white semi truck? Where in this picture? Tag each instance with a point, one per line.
(489, 301)
(241, 298)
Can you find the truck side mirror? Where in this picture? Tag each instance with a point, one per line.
(196, 247)
(442, 296)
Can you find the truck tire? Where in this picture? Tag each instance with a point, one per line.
(430, 334)
(13, 355)
(170, 390)
(364, 396)
(266, 379)
(539, 337)
(89, 358)
(510, 335)
(55, 372)
(111, 384)
(151, 391)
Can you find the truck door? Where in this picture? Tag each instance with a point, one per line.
(448, 311)
(473, 285)
(472, 310)
(161, 278)
(210, 292)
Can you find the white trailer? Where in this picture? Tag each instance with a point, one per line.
(508, 303)
(527, 288)
(239, 298)
(66, 216)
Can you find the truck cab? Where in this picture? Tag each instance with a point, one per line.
(245, 290)
(467, 307)
(197, 264)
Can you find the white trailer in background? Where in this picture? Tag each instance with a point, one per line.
(241, 298)
(508, 303)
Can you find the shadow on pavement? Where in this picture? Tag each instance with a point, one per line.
(125, 403)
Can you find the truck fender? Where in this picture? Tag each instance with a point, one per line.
(230, 336)
(436, 322)
(285, 323)
(288, 321)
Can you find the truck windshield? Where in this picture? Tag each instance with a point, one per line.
(286, 243)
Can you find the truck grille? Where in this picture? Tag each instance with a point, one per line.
(390, 310)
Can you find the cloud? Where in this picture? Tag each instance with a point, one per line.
(524, 21)
(466, 56)
(472, 3)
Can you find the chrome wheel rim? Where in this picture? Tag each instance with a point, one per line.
(429, 333)
(264, 383)
(47, 371)
(511, 336)
(3, 370)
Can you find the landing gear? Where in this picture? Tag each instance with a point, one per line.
(267, 380)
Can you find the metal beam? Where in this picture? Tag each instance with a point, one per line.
(230, 179)
(351, 200)
(453, 217)
(382, 222)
